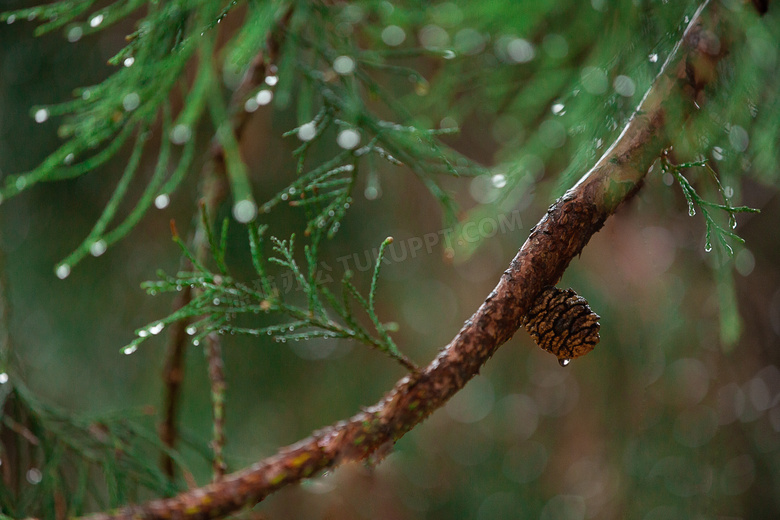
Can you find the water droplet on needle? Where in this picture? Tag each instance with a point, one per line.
(564, 362)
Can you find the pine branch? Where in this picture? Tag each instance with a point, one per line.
(558, 237)
(214, 190)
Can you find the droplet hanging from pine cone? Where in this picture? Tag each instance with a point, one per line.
(562, 323)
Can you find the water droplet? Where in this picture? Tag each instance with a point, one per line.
(449, 54)
(738, 137)
(348, 139)
(215, 301)
(421, 88)
(3, 378)
(594, 80)
(98, 247)
(68, 159)
(498, 180)
(11, 19)
(162, 201)
(728, 191)
(271, 80)
(717, 153)
(143, 333)
(63, 271)
(96, 20)
(653, 58)
(195, 342)
(708, 246)
(264, 97)
(245, 210)
(393, 35)
(75, 33)
(558, 109)
(564, 362)
(41, 115)
(520, 50)
(131, 101)
(191, 330)
(624, 86)
(284, 196)
(344, 65)
(34, 476)
(157, 328)
(128, 61)
(129, 350)
(691, 210)
(250, 105)
(180, 134)
(372, 192)
(307, 131)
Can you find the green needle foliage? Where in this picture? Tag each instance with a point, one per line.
(221, 302)
(57, 455)
(696, 201)
(122, 110)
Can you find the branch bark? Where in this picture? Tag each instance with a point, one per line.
(559, 236)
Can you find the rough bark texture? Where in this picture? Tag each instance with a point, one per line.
(560, 236)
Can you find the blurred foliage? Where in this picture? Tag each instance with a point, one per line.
(496, 108)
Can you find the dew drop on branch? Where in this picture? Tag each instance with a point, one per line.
(96, 20)
(63, 271)
(264, 97)
(393, 35)
(98, 247)
(75, 33)
(348, 139)
(41, 115)
(306, 132)
(180, 134)
(129, 350)
(162, 201)
(131, 101)
(157, 328)
(245, 211)
(344, 65)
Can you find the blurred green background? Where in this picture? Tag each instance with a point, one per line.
(663, 420)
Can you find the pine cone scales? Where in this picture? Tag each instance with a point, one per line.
(562, 323)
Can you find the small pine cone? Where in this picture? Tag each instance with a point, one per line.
(562, 323)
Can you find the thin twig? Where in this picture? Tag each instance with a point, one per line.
(558, 237)
(214, 190)
(218, 386)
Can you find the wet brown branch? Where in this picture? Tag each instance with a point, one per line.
(558, 237)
